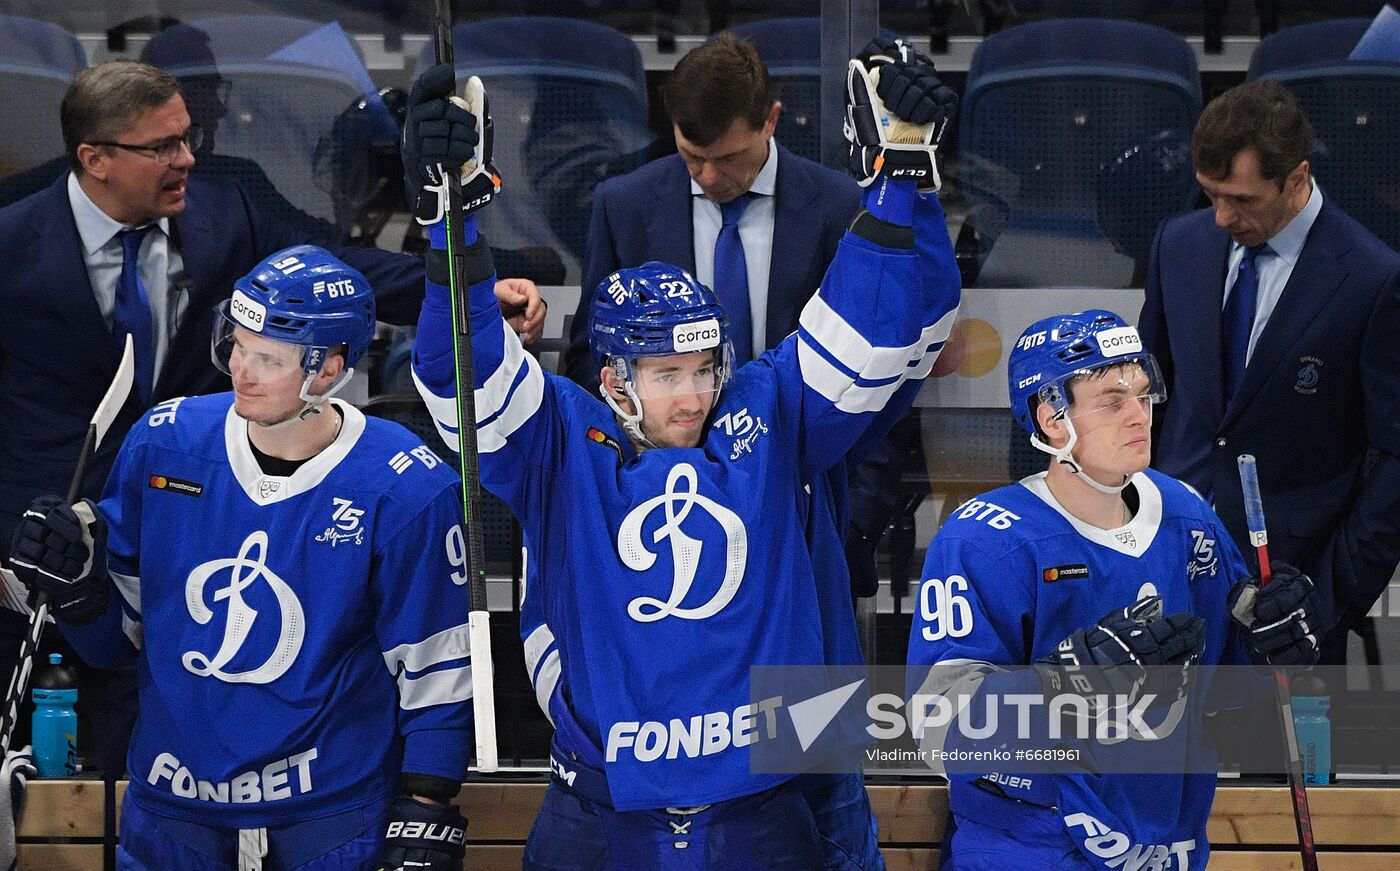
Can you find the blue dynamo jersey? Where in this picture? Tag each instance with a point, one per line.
(1012, 574)
(659, 579)
(308, 637)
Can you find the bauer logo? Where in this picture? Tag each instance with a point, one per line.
(695, 337)
(1119, 341)
(247, 311)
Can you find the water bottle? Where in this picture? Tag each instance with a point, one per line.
(1314, 728)
(55, 720)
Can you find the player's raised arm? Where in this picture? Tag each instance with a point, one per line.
(888, 299)
(442, 130)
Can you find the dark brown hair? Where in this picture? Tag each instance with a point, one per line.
(1261, 115)
(104, 100)
(714, 85)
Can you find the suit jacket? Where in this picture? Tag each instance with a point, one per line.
(57, 355)
(646, 215)
(1321, 390)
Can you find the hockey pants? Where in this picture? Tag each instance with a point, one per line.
(845, 823)
(769, 831)
(346, 841)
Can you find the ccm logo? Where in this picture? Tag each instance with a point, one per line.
(697, 336)
(247, 311)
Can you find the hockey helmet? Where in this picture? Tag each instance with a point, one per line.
(1055, 350)
(304, 296)
(655, 310)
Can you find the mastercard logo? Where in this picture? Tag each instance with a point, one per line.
(160, 482)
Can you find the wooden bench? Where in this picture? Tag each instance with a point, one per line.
(1251, 827)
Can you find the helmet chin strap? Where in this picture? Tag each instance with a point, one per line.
(630, 422)
(311, 404)
(1066, 455)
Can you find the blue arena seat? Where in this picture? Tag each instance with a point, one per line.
(1354, 107)
(288, 108)
(570, 108)
(37, 61)
(1085, 8)
(1072, 143)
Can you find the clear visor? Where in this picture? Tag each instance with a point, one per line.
(693, 374)
(1105, 393)
(258, 358)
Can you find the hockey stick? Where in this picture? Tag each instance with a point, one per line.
(107, 409)
(1259, 535)
(479, 621)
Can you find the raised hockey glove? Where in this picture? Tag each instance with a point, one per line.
(61, 550)
(1277, 621)
(896, 110)
(422, 837)
(1130, 651)
(442, 133)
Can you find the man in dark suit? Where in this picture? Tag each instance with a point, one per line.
(1273, 316)
(723, 116)
(127, 242)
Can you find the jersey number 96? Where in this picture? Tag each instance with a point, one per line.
(945, 613)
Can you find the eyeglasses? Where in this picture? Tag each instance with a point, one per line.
(167, 151)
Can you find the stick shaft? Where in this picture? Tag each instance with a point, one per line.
(1259, 535)
(483, 695)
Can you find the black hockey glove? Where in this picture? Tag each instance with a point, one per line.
(61, 550)
(1129, 652)
(442, 131)
(422, 837)
(896, 110)
(1277, 621)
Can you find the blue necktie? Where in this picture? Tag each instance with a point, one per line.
(1238, 320)
(132, 313)
(732, 278)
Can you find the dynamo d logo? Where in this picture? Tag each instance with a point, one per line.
(243, 570)
(685, 551)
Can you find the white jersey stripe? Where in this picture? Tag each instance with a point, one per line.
(538, 642)
(435, 688)
(492, 395)
(522, 405)
(858, 356)
(130, 588)
(441, 408)
(444, 646)
(545, 682)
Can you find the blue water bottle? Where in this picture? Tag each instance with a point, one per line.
(55, 720)
(1314, 727)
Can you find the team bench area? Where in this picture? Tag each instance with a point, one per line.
(69, 826)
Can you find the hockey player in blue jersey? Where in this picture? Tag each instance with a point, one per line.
(667, 527)
(1100, 562)
(288, 576)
